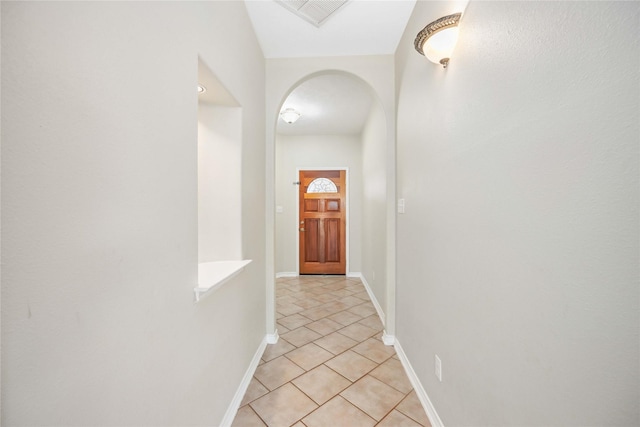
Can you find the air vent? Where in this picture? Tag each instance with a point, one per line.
(314, 11)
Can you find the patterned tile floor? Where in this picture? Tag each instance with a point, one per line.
(329, 367)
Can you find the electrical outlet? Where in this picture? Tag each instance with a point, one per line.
(438, 368)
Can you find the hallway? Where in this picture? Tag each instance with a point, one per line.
(329, 367)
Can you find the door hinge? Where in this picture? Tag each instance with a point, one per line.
(296, 182)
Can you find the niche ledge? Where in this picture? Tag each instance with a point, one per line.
(212, 275)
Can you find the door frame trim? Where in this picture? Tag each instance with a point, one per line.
(347, 213)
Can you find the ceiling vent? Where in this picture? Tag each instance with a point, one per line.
(315, 11)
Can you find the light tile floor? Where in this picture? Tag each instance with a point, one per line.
(329, 367)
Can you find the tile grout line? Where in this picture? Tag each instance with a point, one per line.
(340, 287)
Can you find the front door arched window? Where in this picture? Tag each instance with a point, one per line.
(322, 185)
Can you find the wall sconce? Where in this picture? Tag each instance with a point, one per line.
(437, 40)
(201, 89)
(290, 115)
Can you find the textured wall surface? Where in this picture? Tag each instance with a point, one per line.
(518, 254)
(99, 205)
(219, 183)
(374, 200)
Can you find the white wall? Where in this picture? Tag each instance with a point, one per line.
(99, 211)
(374, 199)
(518, 253)
(219, 183)
(308, 152)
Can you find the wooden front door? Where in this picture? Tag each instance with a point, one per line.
(322, 222)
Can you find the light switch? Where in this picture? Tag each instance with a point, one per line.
(400, 206)
(279, 209)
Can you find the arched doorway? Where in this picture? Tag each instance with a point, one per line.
(342, 125)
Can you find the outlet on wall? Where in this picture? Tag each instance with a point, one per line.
(438, 368)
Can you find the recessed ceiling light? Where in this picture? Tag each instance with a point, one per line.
(201, 89)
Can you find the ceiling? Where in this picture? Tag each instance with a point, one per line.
(215, 93)
(333, 103)
(330, 104)
(359, 27)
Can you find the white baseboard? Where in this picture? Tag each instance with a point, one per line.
(372, 297)
(272, 338)
(388, 339)
(286, 274)
(417, 386)
(232, 410)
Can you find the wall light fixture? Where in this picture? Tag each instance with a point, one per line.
(290, 115)
(437, 40)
